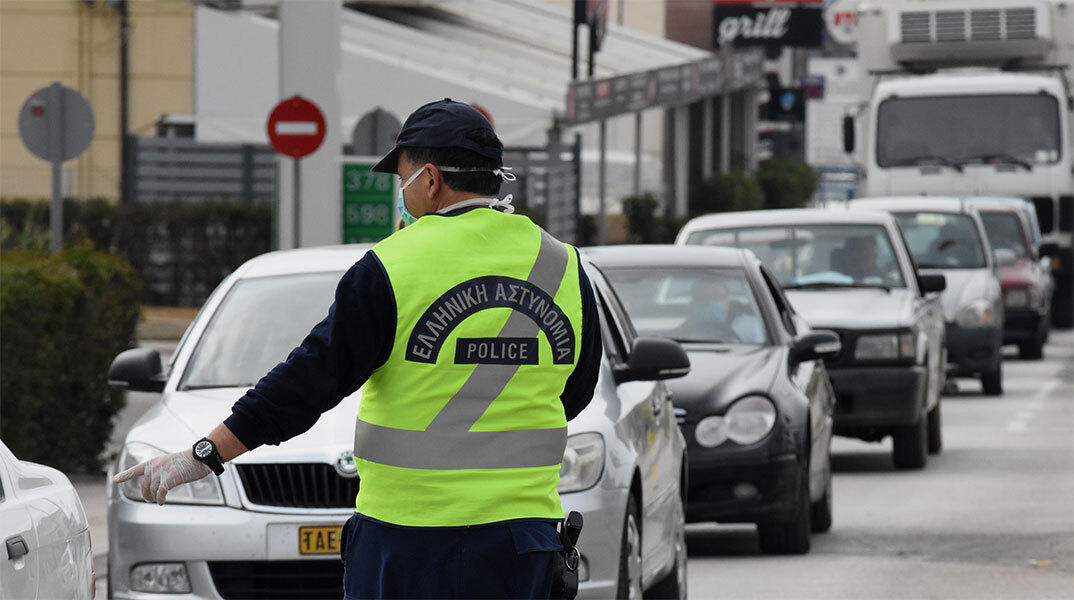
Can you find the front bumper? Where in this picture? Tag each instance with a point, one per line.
(1023, 325)
(974, 351)
(880, 396)
(712, 483)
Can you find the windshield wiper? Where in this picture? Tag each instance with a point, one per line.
(820, 285)
(999, 157)
(928, 158)
(215, 386)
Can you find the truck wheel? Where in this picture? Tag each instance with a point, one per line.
(790, 537)
(1063, 303)
(992, 381)
(935, 434)
(910, 445)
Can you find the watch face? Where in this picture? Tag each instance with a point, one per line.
(204, 449)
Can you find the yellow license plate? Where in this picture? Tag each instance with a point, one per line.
(319, 540)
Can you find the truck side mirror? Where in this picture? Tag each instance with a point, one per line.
(848, 134)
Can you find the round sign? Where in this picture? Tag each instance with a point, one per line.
(296, 127)
(56, 107)
(841, 17)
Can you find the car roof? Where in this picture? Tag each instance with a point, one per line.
(790, 216)
(946, 204)
(997, 203)
(664, 255)
(320, 259)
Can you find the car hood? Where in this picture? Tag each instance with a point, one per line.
(864, 308)
(965, 286)
(721, 374)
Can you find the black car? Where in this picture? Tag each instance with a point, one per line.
(756, 408)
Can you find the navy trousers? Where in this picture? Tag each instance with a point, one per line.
(512, 559)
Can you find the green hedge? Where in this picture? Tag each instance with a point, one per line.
(63, 317)
(786, 183)
(180, 250)
(726, 193)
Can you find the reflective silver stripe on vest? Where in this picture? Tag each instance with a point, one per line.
(448, 443)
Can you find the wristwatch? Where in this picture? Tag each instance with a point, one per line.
(206, 453)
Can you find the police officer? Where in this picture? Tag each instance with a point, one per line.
(475, 333)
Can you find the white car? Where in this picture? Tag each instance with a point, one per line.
(269, 526)
(47, 552)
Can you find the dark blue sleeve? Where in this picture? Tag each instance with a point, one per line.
(334, 360)
(579, 389)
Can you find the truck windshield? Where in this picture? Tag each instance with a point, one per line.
(820, 256)
(942, 240)
(1018, 129)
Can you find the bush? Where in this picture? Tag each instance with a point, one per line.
(787, 183)
(726, 193)
(180, 250)
(64, 317)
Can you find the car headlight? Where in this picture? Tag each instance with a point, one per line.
(975, 314)
(747, 421)
(583, 462)
(1016, 298)
(203, 491)
(160, 578)
(888, 346)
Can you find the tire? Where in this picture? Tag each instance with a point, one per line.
(1063, 303)
(935, 431)
(820, 517)
(790, 537)
(1033, 350)
(673, 585)
(629, 587)
(992, 381)
(910, 445)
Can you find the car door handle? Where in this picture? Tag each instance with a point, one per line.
(16, 547)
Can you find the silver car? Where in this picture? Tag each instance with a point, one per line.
(269, 526)
(946, 236)
(47, 552)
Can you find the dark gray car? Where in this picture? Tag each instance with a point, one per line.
(756, 408)
(850, 272)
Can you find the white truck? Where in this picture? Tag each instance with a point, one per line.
(971, 98)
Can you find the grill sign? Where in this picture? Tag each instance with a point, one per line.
(778, 26)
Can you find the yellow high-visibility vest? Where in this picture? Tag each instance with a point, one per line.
(463, 424)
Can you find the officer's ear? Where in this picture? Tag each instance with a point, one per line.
(436, 180)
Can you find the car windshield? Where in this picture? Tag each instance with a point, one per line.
(817, 256)
(690, 304)
(942, 240)
(256, 326)
(958, 130)
(1004, 230)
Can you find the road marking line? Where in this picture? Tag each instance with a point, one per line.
(1021, 420)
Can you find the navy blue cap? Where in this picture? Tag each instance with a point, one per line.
(441, 124)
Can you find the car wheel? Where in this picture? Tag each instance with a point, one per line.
(820, 519)
(630, 554)
(673, 585)
(790, 537)
(1033, 350)
(992, 381)
(910, 445)
(935, 433)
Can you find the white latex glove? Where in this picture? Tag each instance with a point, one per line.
(163, 473)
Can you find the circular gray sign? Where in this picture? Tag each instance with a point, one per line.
(56, 123)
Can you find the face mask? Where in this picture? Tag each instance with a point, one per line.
(400, 202)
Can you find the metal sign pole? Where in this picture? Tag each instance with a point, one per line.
(602, 224)
(55, 131)
(296, 202)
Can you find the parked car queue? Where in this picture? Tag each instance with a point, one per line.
(744, 437)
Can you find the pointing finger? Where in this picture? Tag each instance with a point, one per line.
(130, 473)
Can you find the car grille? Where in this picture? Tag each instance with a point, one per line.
(272, 579)
(298, 485)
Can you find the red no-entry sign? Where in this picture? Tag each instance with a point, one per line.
(296, 127)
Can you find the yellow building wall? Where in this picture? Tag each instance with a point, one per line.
(77, 43)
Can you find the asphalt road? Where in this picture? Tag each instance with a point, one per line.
(992, 516)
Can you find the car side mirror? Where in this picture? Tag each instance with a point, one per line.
(931, 283)
(848, 134)
(1049, 249)
(138, 370)
(1004, 257)
(654, 358)
(816, 345)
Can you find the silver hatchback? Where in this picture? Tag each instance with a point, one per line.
(269, 527)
